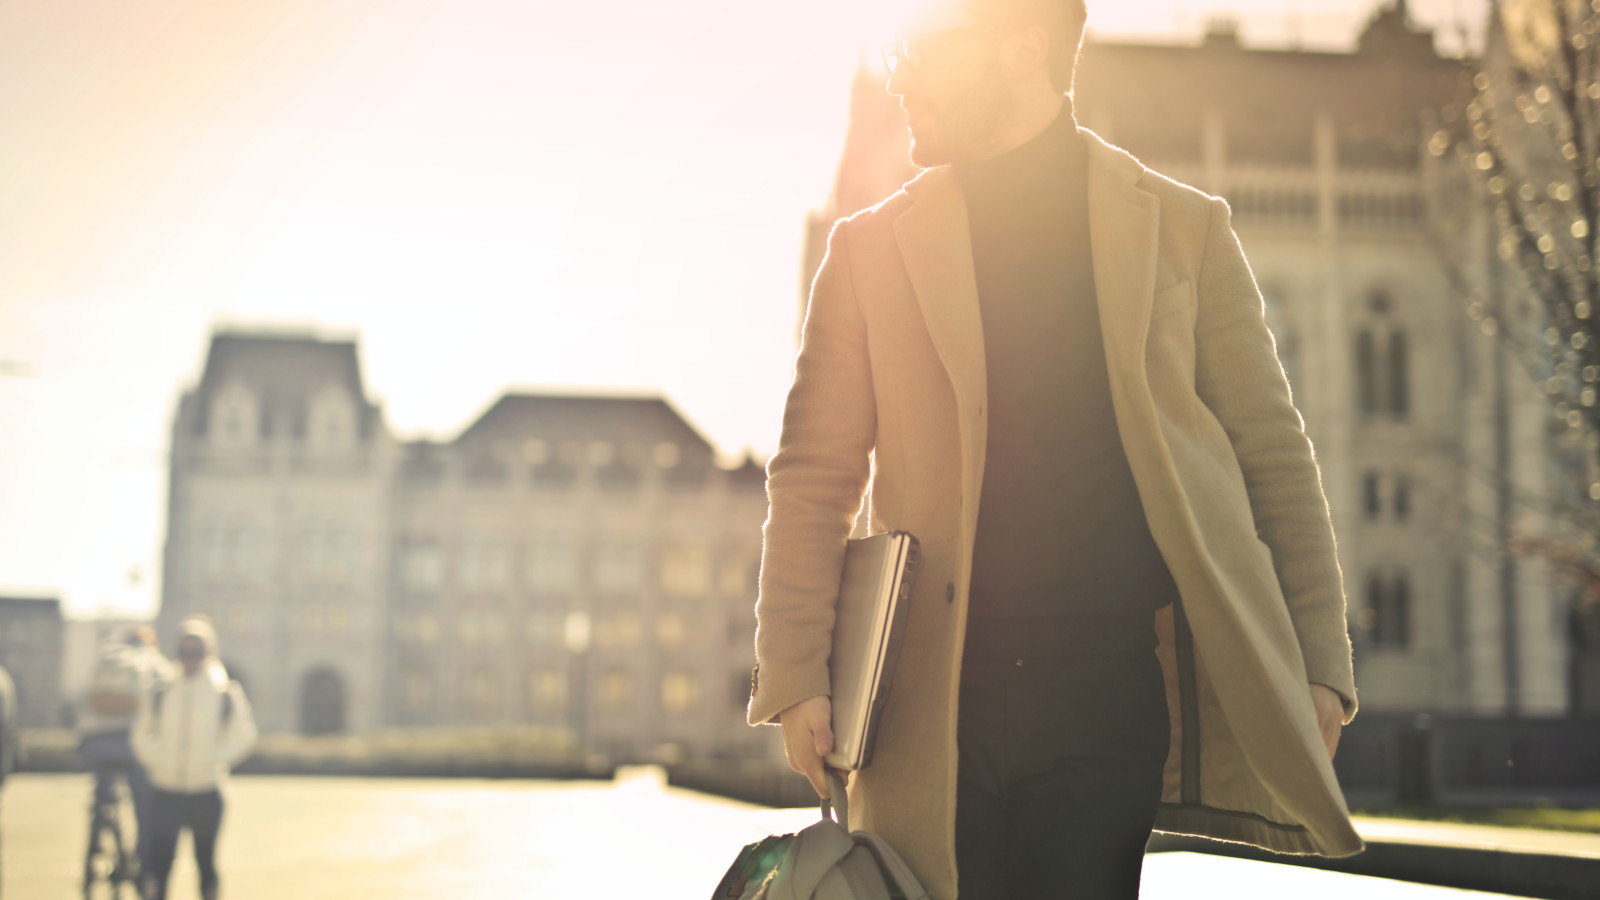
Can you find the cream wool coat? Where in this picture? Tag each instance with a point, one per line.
(889, 394)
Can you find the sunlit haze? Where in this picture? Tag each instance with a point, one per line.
(588, 194)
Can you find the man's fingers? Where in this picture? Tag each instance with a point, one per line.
(823, 738)
(818, 782)
(807, 738)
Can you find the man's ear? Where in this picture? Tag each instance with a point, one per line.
(1025, 53)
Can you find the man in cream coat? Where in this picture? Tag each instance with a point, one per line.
(1142, 624)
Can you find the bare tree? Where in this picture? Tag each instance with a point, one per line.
(1528, 142)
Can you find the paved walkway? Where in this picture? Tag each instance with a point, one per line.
(342, 838)
(1484, 837)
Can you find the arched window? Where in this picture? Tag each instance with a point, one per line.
(1399, 375)
(235, 418)
(1367, 372)
(332, 420)
(1383, 362)
(322, 702)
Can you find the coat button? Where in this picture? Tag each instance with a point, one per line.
(950, 592)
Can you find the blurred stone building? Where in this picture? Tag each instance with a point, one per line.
(575, 565)
(1324, 159)
(30, 650)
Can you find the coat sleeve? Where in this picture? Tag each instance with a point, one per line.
(240, 735)
(815, 483)
(1240, 379)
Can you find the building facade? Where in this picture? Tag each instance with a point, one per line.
(31, 639)
(1324, 159)
(575, 566)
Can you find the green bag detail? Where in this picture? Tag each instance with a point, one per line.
(823, 861)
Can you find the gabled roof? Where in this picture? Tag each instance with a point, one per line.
(284, 370)
(555, 417)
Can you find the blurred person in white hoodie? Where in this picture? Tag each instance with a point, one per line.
(190, 732)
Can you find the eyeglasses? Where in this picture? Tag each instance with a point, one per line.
(911, 50)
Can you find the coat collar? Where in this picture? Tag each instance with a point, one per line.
(936, 247)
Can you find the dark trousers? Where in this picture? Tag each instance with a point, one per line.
(170, 813)
(1061, 746)
(109, 755)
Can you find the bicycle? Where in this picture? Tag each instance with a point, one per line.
(110, 862)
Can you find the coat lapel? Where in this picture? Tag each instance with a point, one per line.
(1123, 235)
(936, 246)
(937, 249)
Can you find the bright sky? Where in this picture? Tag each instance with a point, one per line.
(491, 193)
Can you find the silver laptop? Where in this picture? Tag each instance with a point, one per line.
(874, 599)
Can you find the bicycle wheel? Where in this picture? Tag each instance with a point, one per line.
(108, 866)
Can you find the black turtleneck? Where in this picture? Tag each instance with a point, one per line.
(1061, 531)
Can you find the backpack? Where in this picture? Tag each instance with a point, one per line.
(118, 677)
(823, 861)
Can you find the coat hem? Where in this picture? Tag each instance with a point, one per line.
(1232, 825)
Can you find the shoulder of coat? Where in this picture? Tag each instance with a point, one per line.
(885, 210)
(1172, 193)
(1175, 194)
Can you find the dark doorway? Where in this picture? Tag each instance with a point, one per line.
(322, 702)
(235, 674)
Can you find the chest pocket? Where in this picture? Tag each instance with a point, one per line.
(1169, 351)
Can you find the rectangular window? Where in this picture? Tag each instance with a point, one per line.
(619, 631)
(619, 566)
(485, 565)
(547, 690)
(324, 556)
(1373, 491)
(552, 564)
(1388, 613)
(734, 578)
(616, 689)
(545, 630)
(680, 691)
(686, 570)
(421, 566)
(416, 629)
(669, 629)
(416, 691)
(481, 690)
(740, 695)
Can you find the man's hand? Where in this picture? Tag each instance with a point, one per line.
(1330, 715)
(808, 737)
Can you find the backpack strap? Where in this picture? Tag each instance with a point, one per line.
(838, 800)
(156, 696)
